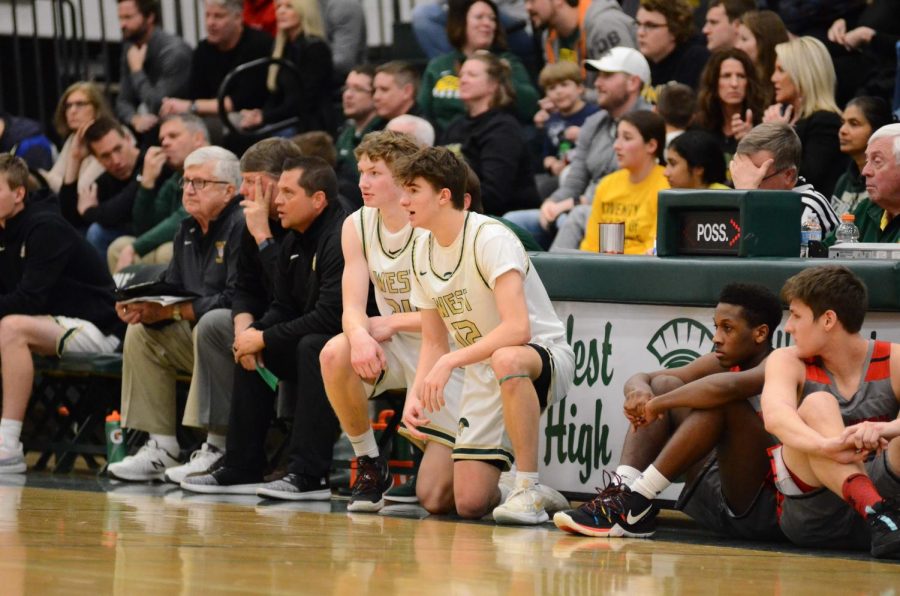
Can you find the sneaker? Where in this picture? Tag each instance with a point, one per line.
(149, 463)
(222, 481)
(201, 460)
(506, 484)
(373, 479)
(296, 487)
(884, 525)
(616, 511)
(528, 506)
(405, 493)
(12, 461)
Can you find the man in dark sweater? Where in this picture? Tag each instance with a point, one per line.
(228, 44)
(159, 343)
(56, 296)
(103, 210)
(665, 38)
(157, 212)
(305, 314)
(209, 399)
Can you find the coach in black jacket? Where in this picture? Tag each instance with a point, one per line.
(56, 296)
(305, 314)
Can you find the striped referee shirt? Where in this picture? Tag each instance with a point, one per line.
(816, 206)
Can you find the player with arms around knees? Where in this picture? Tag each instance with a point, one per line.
(832, 400)
(473, 278)
(679, 416)
(376, 354)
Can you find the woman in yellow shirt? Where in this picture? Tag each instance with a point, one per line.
(630, 194)
(693, 162)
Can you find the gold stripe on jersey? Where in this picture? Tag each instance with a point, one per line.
(475, 243)
(362, 233)
(462, 249)
(399, 251)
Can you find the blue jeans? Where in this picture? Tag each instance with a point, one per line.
(429, 22)
(530, 220)
(101, 237)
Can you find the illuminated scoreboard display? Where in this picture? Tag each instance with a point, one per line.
(738, 223)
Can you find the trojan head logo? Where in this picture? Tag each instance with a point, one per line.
(679, 342)
(447, 87)
(463, 424)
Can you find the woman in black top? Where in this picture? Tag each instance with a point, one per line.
(490, 137)
(301, 40)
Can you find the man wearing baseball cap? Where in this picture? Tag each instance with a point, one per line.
(621, 75)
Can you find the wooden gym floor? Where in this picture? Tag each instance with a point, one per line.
(80, 534)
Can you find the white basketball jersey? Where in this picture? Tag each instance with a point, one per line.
(458, 281)
(389, 256)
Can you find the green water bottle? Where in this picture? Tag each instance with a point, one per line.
(115, 443)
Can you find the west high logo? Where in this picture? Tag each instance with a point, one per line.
(680, 342)
(463, 424)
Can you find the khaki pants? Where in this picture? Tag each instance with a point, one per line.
(160, 255)
(152, 358)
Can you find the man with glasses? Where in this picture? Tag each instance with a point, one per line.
(665, 38)
(159, 343)
(357, 99)
(768, 158)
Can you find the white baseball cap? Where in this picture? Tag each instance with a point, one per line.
(619, 59)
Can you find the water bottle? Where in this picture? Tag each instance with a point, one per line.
(847, 231)
(809, 232)
(115, 443)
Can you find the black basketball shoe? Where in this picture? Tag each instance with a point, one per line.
(373, 479)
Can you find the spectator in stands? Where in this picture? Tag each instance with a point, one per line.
(490, 138)
(758, 34)
(866, 63)
(345, 31)
(575, 31)
(395, 86)
(429, 23)
(768, 158)
(80, 104)
(25, 138)
(228, 44)
(154, 64)
(212, 381)
(723, 19)
(103, 210)
(358, 104)
(628, 194)
(622, 74)
(56, 297)
(300, 40)
(876, 215)
(693, 160)
(305, 314)
(804, 95)
(676, 104)
(415, 126)
(665, 38)
(562, 114)
(862, 116)
(472, 25)
(731, 100)
(157, 211)
(316, 143)
(158, 342)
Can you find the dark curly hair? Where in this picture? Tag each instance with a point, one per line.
(710, 114)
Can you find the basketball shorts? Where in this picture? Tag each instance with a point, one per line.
(83, 336)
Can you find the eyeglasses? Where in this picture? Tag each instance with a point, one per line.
(198, 184)
(775, 173)
(651, 26)
(76, 104)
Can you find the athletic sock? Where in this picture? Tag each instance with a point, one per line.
(526, 479)
(10, 431)
(860, 493)
(217, 441)
(628, 474)
(167, 442)
(651, 483)
(364, 444)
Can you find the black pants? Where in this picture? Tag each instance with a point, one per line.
(253, 407)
